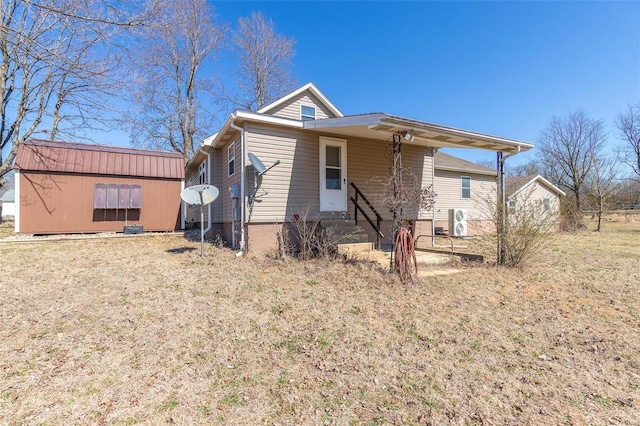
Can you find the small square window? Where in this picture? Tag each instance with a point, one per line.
(231, 152)
(307, 113)
(466, 187)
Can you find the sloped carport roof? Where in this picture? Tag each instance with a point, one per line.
(382, 126)
(65, 157)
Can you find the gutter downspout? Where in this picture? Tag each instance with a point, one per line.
(209, 207)
(242, 188)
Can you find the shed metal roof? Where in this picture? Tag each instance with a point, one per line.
(65, 157)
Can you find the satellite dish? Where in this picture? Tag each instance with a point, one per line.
(199, 194)
(258, 165)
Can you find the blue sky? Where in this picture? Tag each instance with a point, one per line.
(503, 68)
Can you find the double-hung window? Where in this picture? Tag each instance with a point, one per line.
(231, 153)
(466, 187)
(307, 113)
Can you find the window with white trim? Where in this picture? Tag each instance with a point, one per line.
(465, 182)
(231, 158)
(546, 202)
(202, 173)
(307, 113)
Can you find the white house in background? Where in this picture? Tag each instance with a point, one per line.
(534, 190)
(8, 201)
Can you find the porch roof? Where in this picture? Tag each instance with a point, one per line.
(382, 126)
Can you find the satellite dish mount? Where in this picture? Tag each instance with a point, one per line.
(200, 195)
(259, 169)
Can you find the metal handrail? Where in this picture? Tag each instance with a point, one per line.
(376, 226)
(432, 236)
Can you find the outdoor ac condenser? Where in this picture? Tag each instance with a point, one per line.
(458, 222)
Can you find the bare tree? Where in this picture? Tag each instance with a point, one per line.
(601, 185)
(567, 147)
(628, 123)
(524, 169)
(56, 58)
(265, 62)
(170, 92)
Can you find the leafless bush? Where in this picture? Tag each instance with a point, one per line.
(529, 224)
(407, 199)
(312, 240)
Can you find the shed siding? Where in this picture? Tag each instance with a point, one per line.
(448, 187)
(291, 109)
(63, 203)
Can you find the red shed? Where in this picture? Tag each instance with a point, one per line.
(79, 188)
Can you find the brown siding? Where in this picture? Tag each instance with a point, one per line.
(291, 109)
(53, 203)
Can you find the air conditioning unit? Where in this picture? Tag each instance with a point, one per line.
(458, 222)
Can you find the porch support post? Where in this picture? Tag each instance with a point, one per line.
(397, 190)
(500, 209)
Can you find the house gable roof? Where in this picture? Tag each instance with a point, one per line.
(443, 161)
(307, 87)
(515, 185)
(65, 157)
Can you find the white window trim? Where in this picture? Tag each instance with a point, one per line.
(231, 149)
(315, 110)
(462, 178)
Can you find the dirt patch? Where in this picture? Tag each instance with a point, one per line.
(145, 331)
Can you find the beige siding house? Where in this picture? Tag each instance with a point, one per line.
(533, 192)
(318, 156)
(463, 185)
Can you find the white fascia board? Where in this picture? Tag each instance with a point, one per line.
(468, 171)
(268, 119)
(313, 89)
(542, 180)
(550, 185)
(215, 139)
(368, 120)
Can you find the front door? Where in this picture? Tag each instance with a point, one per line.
(333, 175)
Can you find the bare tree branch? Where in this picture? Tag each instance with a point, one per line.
(265, 62)
(628, 123)
(567, 147)
(171, 92)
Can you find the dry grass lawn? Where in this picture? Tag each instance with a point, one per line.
(141, 330)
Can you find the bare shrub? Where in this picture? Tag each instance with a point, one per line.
(312, 240)
(407, 199)
(529, 224)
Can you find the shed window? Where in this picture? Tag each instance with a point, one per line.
(307, 113)
(117, 196)
(466, 187)
(231, 152)
(546, 202)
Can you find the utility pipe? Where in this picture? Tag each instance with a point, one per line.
(242, 187)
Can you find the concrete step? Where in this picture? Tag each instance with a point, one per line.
(351, 238)
(345, 230)
(329, 223)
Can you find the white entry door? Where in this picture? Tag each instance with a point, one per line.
(333, 175)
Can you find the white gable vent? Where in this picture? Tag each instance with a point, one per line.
(458, 222)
